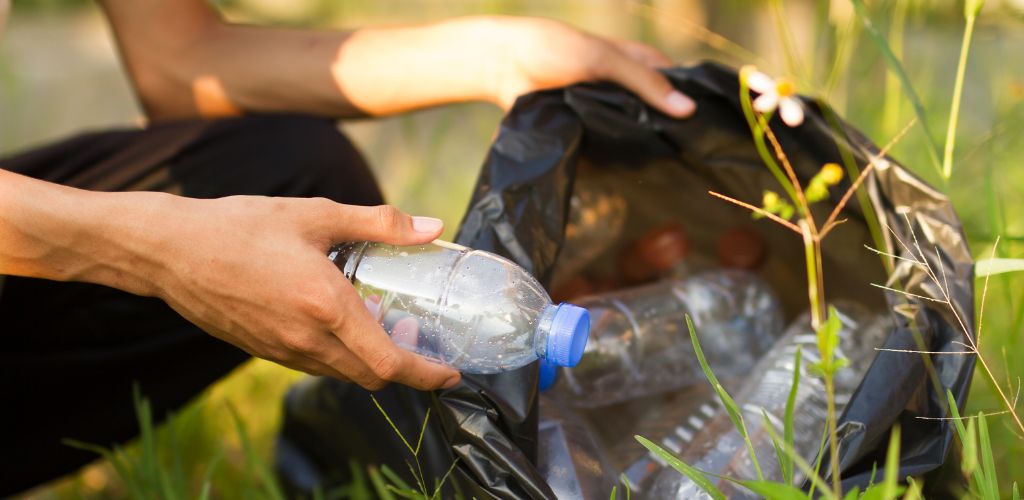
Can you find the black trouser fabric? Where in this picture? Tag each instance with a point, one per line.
(71, 352)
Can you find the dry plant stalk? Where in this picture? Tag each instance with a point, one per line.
(972, 345)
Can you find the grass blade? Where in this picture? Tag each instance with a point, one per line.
(954, 112)
(788, 430)
(897, 67)
(394, 478)
(395, 428)
(252, 459)
(731, 408)
(775, 491)
(991, 267)
(378, 484)
(988, 463)
(914, 491)
(695, 475)
(892, 465)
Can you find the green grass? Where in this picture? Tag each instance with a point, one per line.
(428, 162)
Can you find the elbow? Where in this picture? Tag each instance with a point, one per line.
(168, 75)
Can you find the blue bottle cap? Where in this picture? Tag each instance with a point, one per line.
(570, 329)
(548, 375)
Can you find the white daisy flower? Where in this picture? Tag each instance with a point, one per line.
(774, 94)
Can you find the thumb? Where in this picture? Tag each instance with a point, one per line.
(382, 223)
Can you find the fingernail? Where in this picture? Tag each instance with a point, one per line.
(680, 104)
(452, 382)
(426, 224)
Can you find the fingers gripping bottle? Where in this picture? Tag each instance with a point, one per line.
(720, 449)
(469, 309)
(640, 345)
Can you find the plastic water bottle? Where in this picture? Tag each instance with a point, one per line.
(719, 447)
(472, 310)
(673, 424)
(597, 217)
(569, 457)
(639, 343)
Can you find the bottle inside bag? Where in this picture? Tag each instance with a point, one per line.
(720, 449)
(640, 345)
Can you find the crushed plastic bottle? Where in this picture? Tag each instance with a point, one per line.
(569, 458)
(472, 310)
(720, 449)
(639, 343)
(673, 425)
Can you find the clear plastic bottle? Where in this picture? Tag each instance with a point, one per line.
(597, 217)
(719, 447)
(569, 457)
(472, 310)
(639, 343)
(673, 425)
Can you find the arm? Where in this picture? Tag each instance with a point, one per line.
(281, 299)
(185, 61)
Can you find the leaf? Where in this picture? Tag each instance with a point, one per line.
(892, 465)
(992, 267)
(775, 491)
(914, 491)
(394, 477)
(780, 455)
(693, 474)
(877, 492)
(987, 461)
(788, 430)
(731, 408)
(1016, 492)
(852, 494)
(378, 484)
(252, 459)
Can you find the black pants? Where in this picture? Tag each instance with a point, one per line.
(70, 352)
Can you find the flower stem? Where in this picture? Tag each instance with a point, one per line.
(833, 435)
(813, 283)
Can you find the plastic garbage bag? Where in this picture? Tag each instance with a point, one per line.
(664, 168)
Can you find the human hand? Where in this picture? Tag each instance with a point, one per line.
(253, 271)
(540, 54)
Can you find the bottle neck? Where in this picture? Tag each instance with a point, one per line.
(346, 256)
(543, 331)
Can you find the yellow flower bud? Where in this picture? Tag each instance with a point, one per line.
(771, 199)
(831, 174)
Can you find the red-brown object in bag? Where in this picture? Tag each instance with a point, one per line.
(741, 248)
(655, 253)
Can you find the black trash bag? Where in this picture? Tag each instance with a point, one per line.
(487, 425)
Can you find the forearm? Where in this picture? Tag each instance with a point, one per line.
(60, 233)
(372, 71)
(185, 61)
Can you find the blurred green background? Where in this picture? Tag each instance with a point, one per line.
(59, 74)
